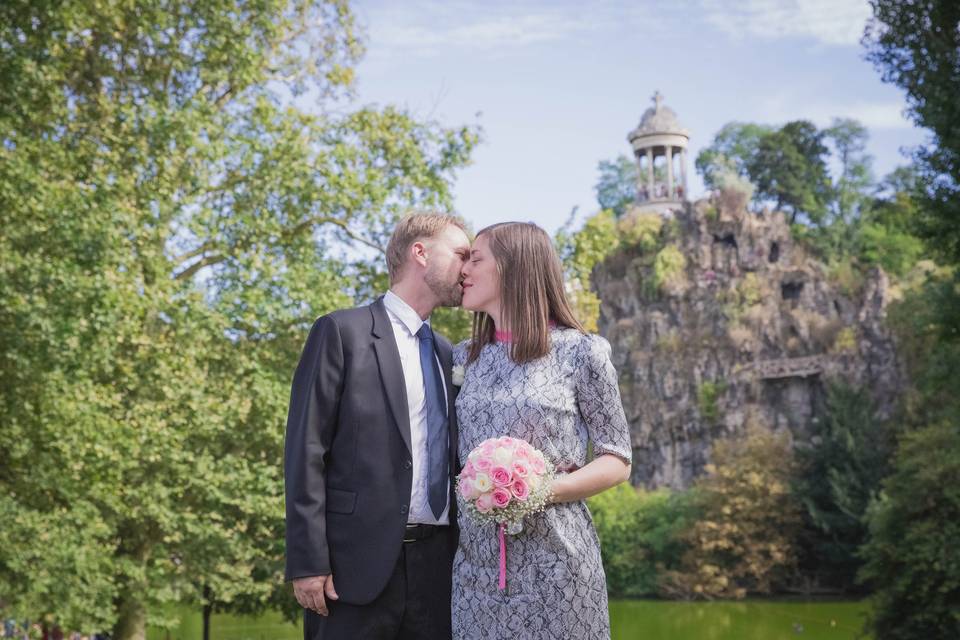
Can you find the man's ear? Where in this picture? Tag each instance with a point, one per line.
(418, 251)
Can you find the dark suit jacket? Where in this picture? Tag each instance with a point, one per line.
(347, 460)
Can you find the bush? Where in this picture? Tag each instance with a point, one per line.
(841, 472)
(912, 557)
(707, 395)
(668, 268)
(641, 230)
(639, 536)
(744, 541)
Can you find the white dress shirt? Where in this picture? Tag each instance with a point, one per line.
(406, 322)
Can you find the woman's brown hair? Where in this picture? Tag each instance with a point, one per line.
(531, 291)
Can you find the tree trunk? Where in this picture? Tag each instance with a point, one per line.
(207, 610)
(132, 623)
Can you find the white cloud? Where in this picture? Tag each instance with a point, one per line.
(877, 116)
(835, 22)
(782, 107)
(428, 28)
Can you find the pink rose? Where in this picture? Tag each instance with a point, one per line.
(521, 468)
(501, 476)
(538, 465)
(484, 502)
(467, 489)
(501, 497)
(507, 441)
(482, 463)
(468, 470)
(524, 452)
(487, 447)
(519, 489)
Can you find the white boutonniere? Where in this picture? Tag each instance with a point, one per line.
(457, 375)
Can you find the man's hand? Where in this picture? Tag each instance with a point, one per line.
(310, 592)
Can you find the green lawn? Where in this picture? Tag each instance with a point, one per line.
(630, 619)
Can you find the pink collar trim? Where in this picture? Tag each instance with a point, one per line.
(507, 336)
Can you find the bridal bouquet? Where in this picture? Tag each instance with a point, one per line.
(504, 480)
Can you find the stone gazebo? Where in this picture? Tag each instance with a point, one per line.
(660, 146)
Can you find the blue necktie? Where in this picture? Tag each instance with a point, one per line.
(437, 465)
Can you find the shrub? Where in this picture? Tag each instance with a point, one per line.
(668, 268)
(912, 557)
(842, 469)
(641, 230)
(707, 395)
(639, 536)
(744, 541)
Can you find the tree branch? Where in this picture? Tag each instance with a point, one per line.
(216, 258)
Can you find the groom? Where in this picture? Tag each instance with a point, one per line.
(370, 452)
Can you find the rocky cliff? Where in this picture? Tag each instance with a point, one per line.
(719, 319)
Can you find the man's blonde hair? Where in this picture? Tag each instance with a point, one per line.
(414, 227)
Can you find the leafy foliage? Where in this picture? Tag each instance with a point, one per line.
(916, 46)
(580, 251)
(743, 541)
(840, 473)
(912, 557)
(168, 232)
(732, 149)
(669, 267)
(617, 185)
(789, 168)
(639, 536)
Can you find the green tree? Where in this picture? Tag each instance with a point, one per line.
(888, 234)
(169, 228)
(840, 472)
(617, 185)
(916, 46)
(744, 540)
(852, 186)
(925, 323)
(789, 168)
(580, 251)
(912, 557)
(733, 149)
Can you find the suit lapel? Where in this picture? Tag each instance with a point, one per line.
(391, 371)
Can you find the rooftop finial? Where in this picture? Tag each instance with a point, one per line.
(657, 99)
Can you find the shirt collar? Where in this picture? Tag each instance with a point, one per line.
(403, 312)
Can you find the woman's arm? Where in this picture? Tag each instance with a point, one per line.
(600, 474)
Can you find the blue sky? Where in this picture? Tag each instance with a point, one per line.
(556, 86)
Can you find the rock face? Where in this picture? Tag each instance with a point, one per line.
(722, 320)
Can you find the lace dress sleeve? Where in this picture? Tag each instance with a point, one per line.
(598, 397)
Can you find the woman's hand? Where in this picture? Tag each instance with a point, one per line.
(603, 472)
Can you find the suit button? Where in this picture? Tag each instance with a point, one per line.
(407, 464)
(403, 509)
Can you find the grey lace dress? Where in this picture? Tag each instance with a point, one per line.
(556, 587)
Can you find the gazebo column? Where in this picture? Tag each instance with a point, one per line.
(650, 192)
(669, 172)
(683, 171)
(640, 180)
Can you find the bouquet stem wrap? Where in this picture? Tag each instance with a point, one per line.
(504, 480)
(502, 583)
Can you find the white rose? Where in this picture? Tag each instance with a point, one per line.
(482, 483)
(502, 455)
(458, 373)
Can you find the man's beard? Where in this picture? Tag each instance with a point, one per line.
(450, 294)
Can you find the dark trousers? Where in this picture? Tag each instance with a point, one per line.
(415, 604)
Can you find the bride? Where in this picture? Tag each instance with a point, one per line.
(532, 372)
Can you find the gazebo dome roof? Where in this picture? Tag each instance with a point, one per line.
(658, 119)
